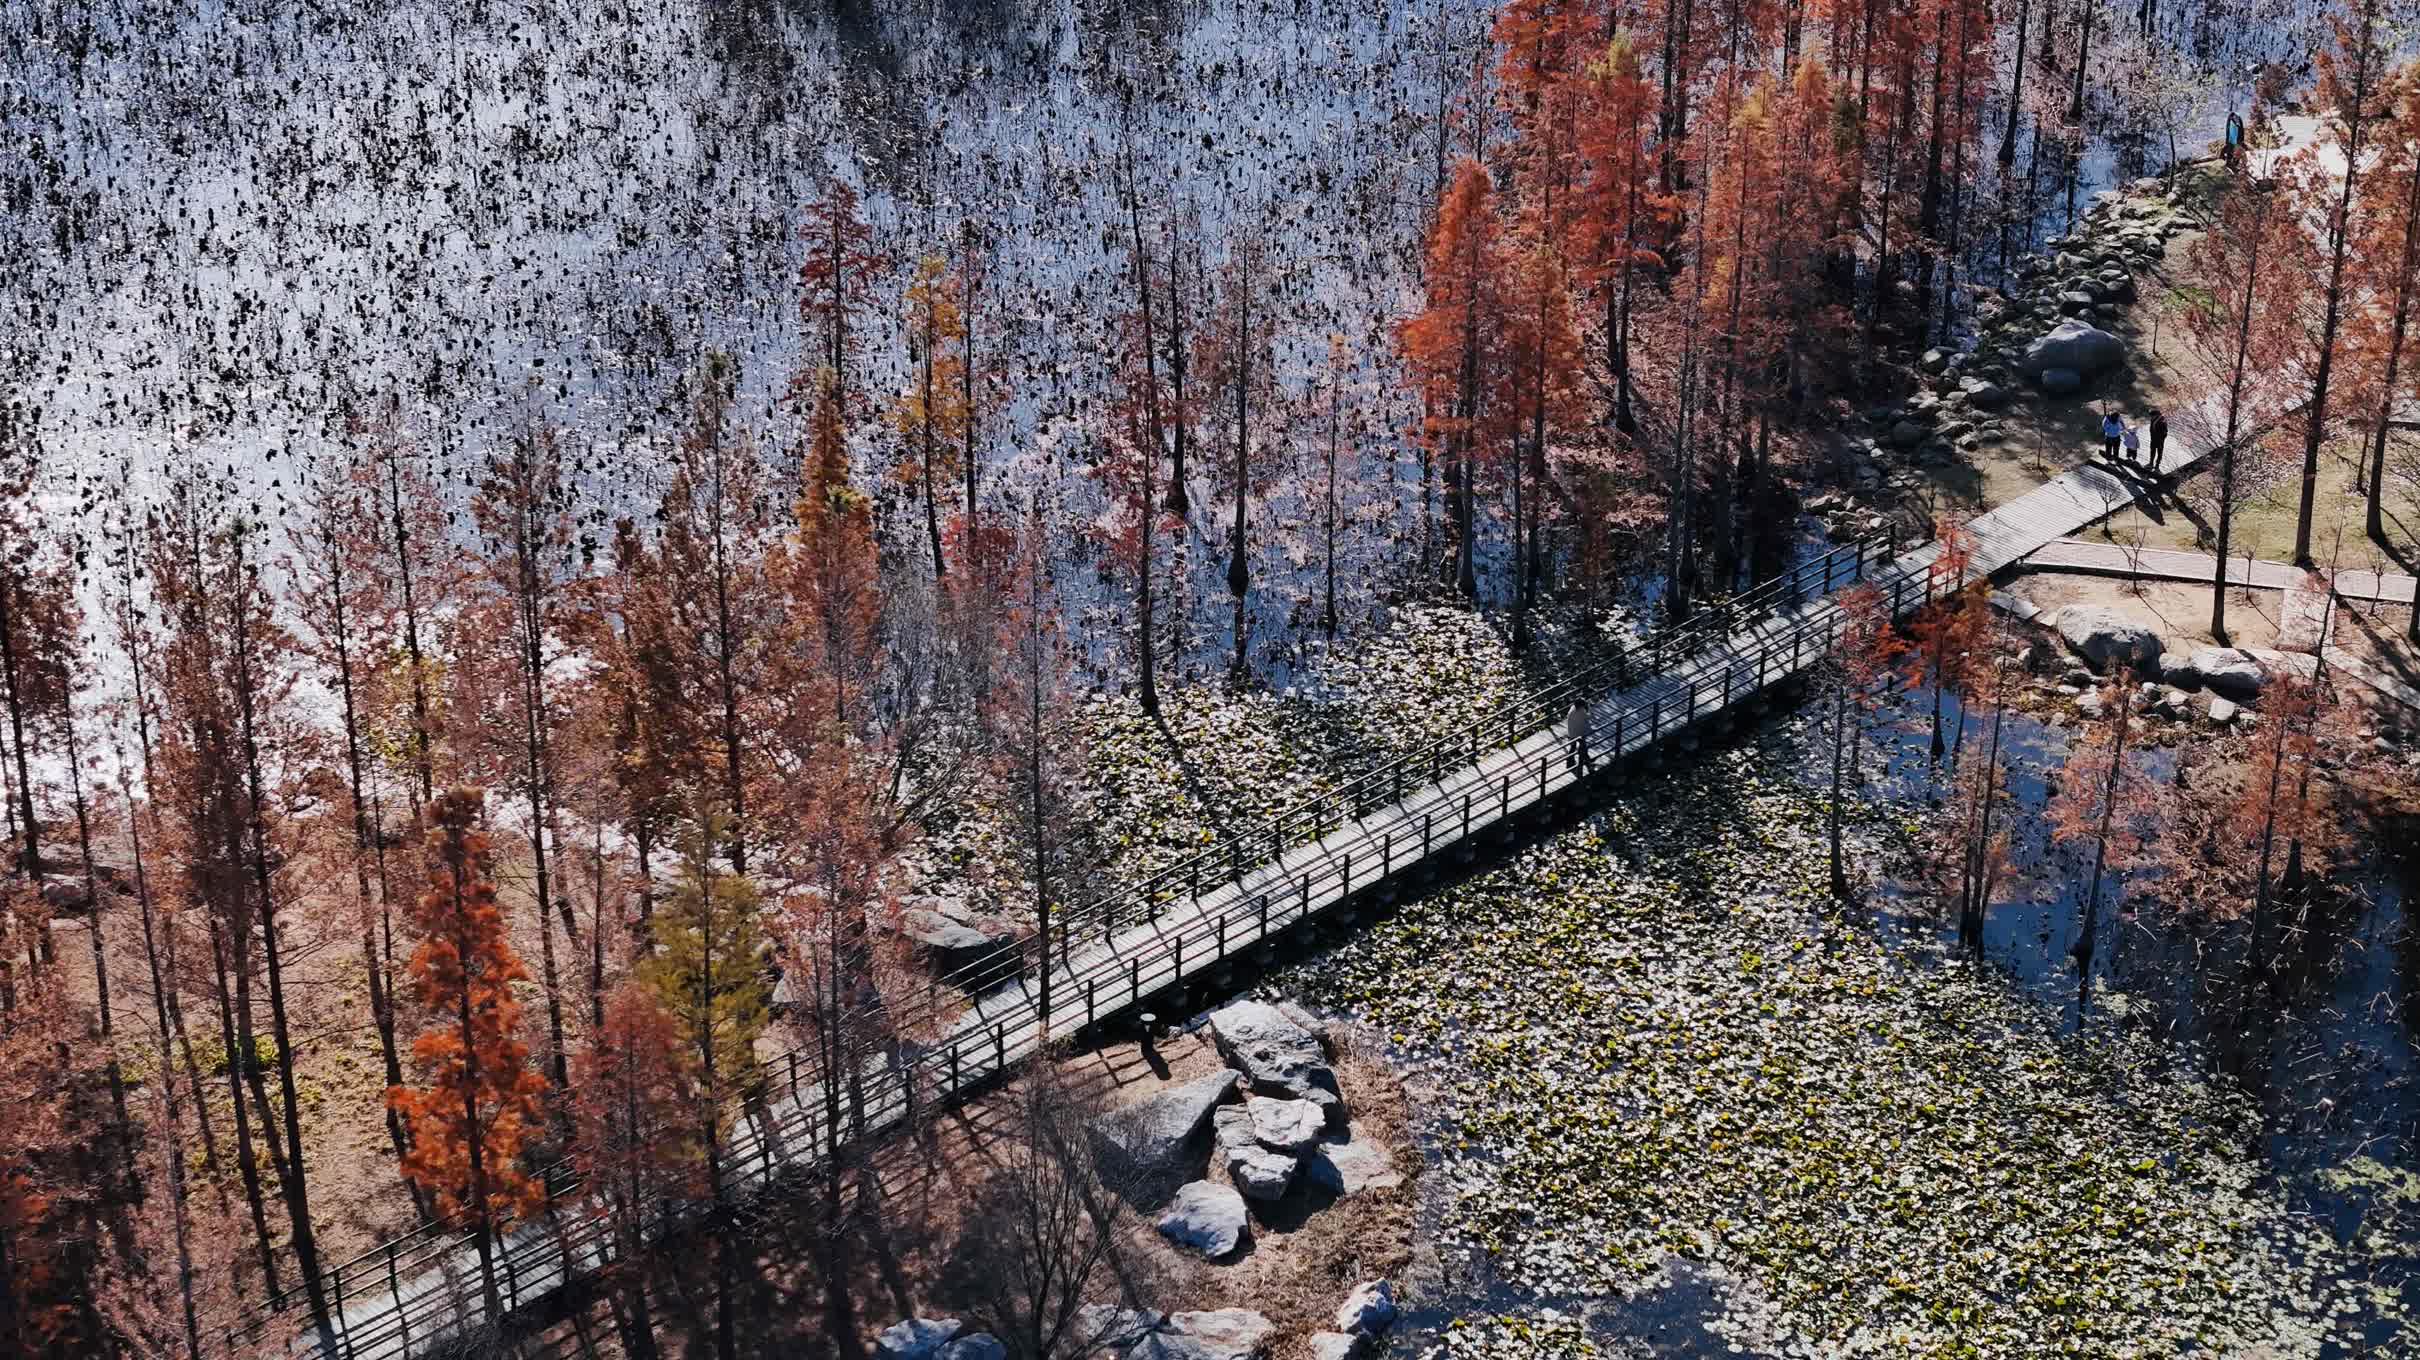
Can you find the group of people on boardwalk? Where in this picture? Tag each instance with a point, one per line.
(2123, 445)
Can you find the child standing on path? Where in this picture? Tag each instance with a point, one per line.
(2134, 446)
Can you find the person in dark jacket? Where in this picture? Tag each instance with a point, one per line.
(2159, 438)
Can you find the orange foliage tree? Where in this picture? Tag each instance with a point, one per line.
(481, 1105)
(932, 414)
(1453, 346)
(836, 287)
(630, 1117)
(2246, 280)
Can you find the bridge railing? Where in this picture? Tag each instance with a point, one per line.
(422, 1274)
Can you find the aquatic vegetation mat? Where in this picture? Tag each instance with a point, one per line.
(1658, 1042)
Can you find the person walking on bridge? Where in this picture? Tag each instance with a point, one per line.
(1575, 733)
(2159, 438)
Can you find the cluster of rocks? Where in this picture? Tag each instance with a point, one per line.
(2084, 277)
(1290, 1130)
(2212, 682)
(2042, 331)
(1107, 1330)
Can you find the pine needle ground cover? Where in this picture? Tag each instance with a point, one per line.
(1660, 1047)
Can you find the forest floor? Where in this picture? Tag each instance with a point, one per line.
(1302, 1255)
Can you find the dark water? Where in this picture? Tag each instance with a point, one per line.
(2333, 1060)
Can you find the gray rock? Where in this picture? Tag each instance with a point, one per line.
(66, 897)
(1907, 434)
(1934, 361)
(2075, 302)
(2231, 671)
(2091, 704)
(1980, 392)
(1206, 1216)
(1309, 1023)
(974, 1346)
(1258, 1173)
(2104, 638)
(1288, 1126)
(2223, 710)
(1277, 1056)
(958, 951)
(915, 1338)
(1101, 1325)
(1218, 1334)
(1368, 1310)
(2060, 382)
(2075, 345)
(1348, 1167)
(1335, 1346)
(1155, 1134)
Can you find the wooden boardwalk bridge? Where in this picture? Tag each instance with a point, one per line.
(1385, 828)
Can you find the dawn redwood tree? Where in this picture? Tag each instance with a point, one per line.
(137, 641)
(2280, 795)
(481, 1104)
(1860, 661)
(328, 587)
(845, 962)
(70, 661)
(1032, 748)
(1335, 405)
(1948, 654)
(974, 395)
(1542, 366)
(260, 676)
(2247, 276)
(836, 282)
(1238, 358)
(25, 580)
(2352, 73)
(827, 573)
(2105, 803)
(707, 602)
(629, 629)
(522, 509)
(2387, 273)
(41, 1311)
(226, 677)
(1453, 346)
(931, 413)
(708, 975)
(1146, 413)
(196, 779)
(632, 1116)
(414, 575)
(1624, 210)
(1970, 836)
